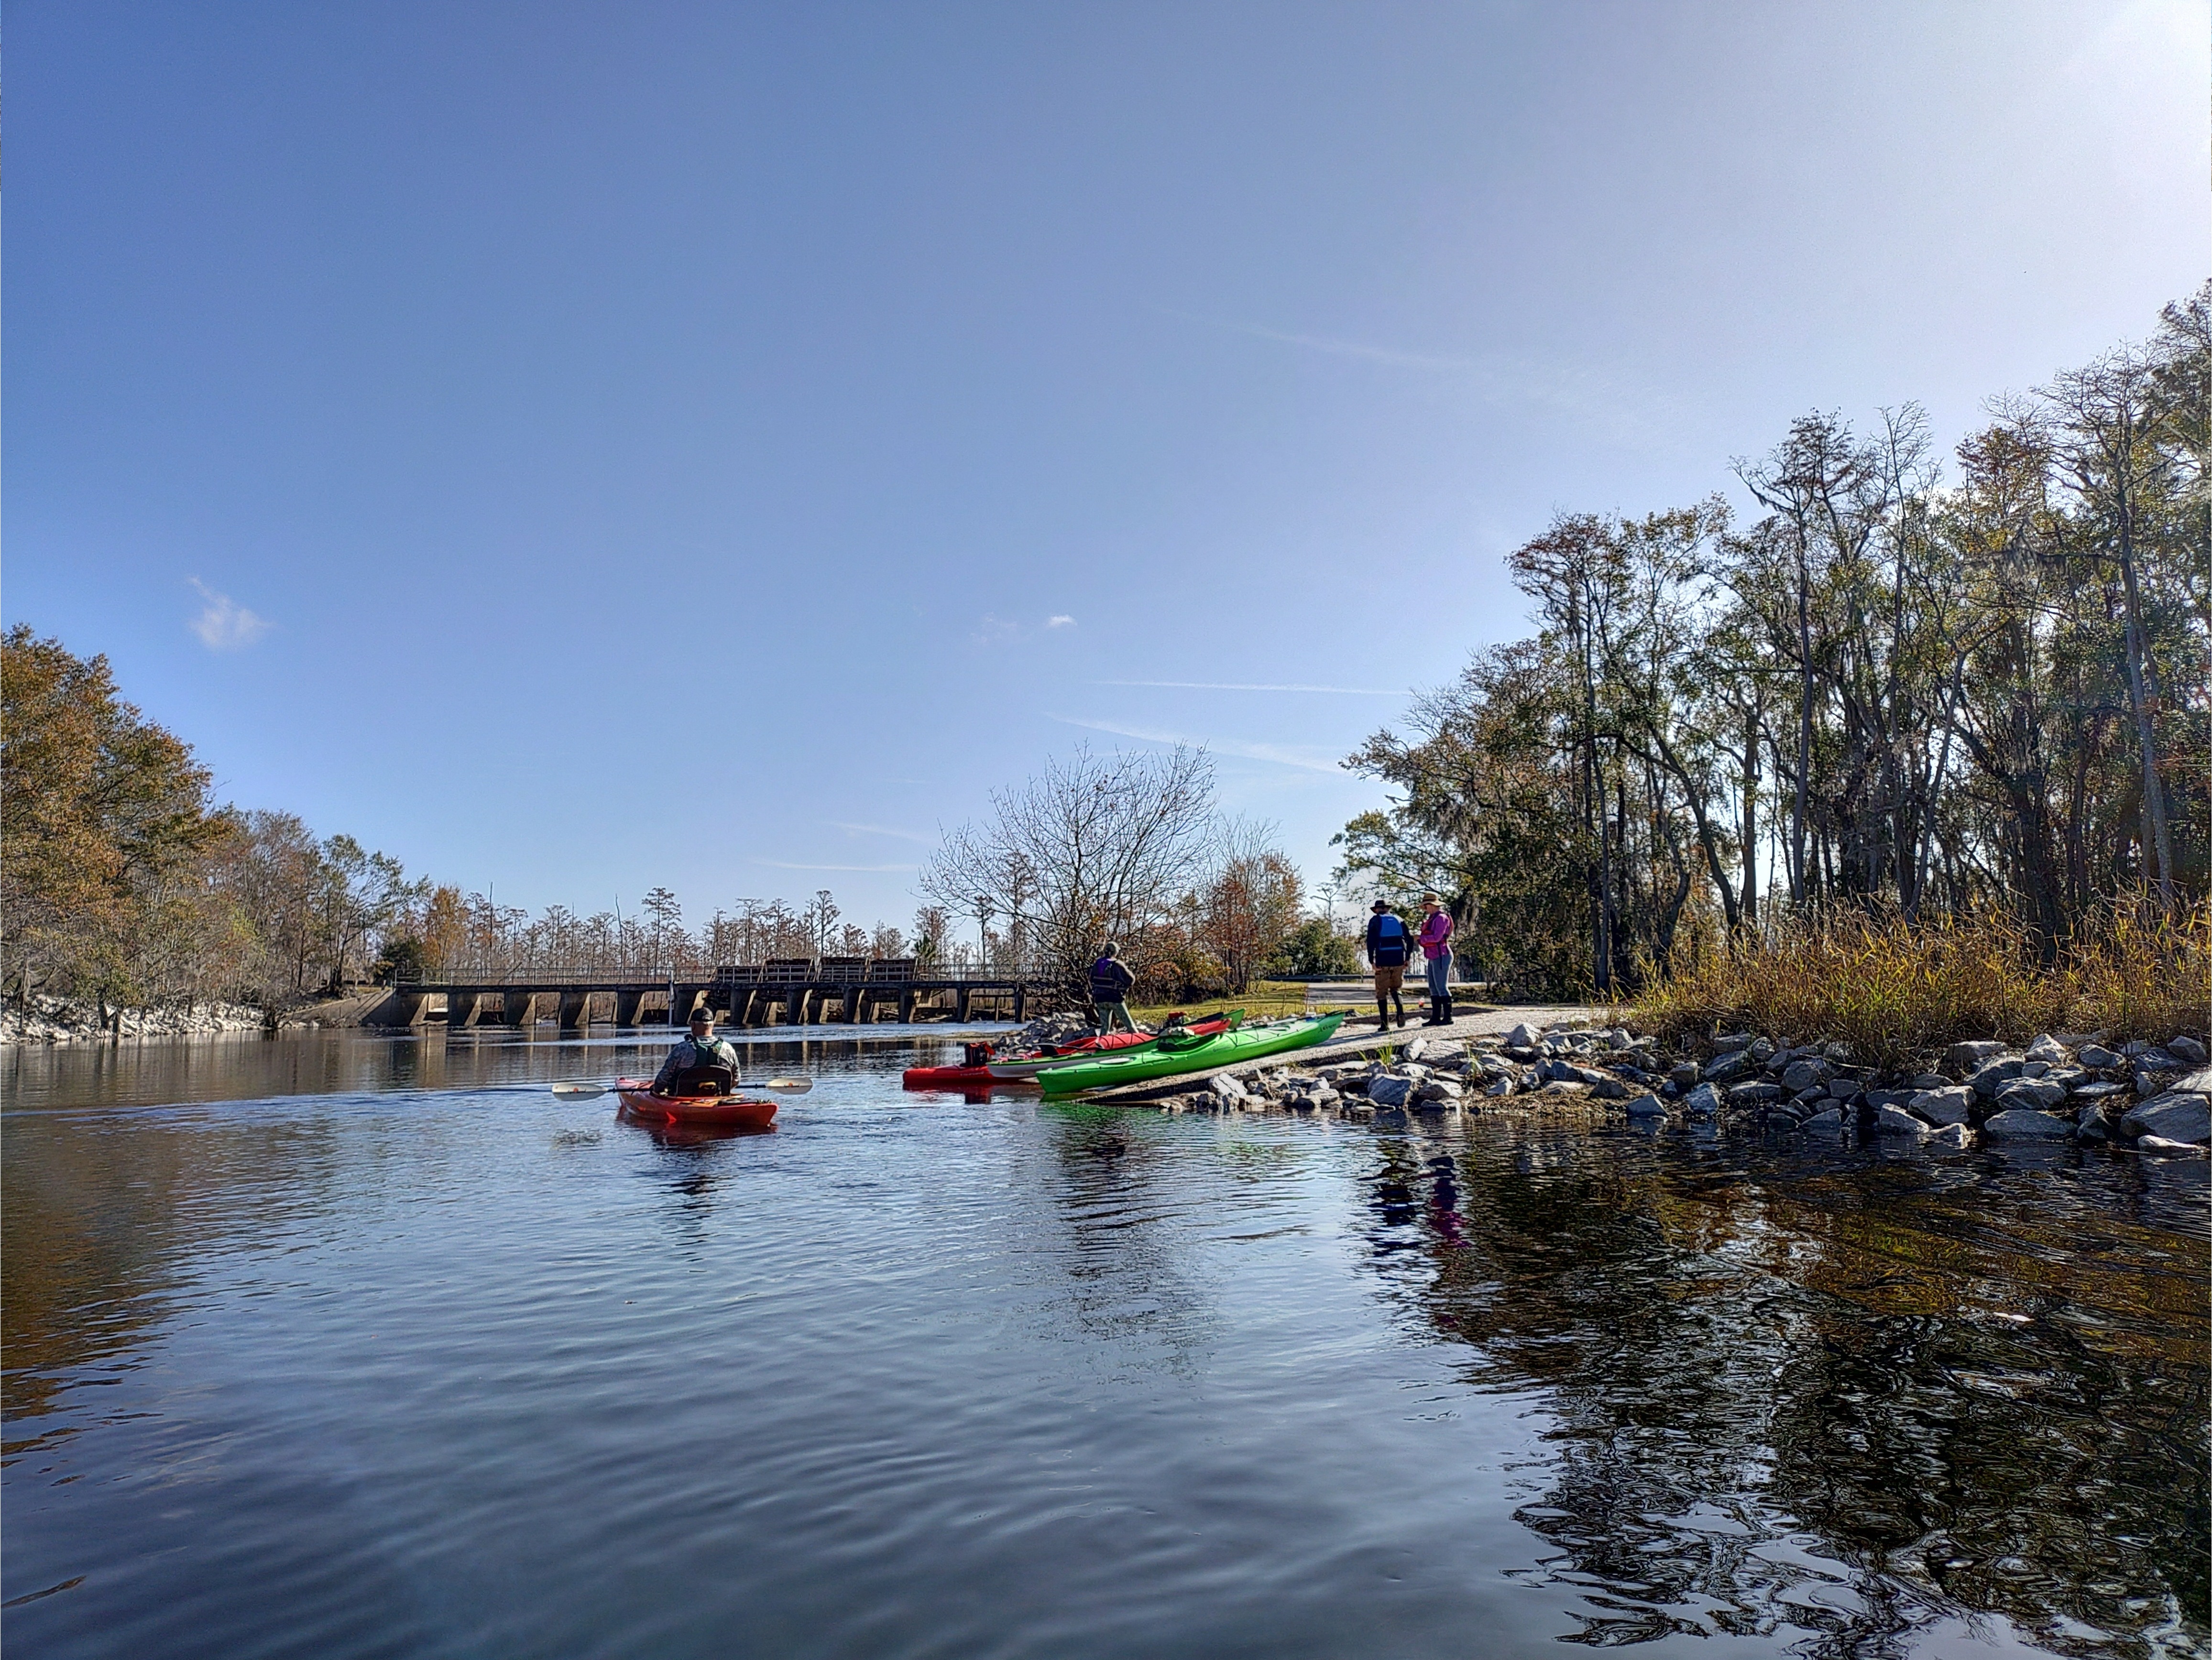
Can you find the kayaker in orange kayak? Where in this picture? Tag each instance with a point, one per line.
(700, 1064)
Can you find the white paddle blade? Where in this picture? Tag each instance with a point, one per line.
(788, 1085)
(580, 1091)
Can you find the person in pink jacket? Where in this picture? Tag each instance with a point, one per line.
(1436, 948)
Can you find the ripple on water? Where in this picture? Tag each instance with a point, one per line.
(457, 1368)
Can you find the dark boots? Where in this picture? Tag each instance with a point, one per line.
(1440, 1012)
(1383, 1014)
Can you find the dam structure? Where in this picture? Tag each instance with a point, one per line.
(798, 991)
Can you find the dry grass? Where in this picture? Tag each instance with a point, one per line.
(1894, 992)
(1264, 999)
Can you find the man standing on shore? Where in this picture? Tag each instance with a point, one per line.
(1435, 949)
(1110, 980)
(1388, 944)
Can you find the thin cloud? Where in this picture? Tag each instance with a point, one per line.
(223, 624)
(1628, 412)
(1282, 755)
(785, 864)
(992, 630)
(1243, 685)
(879, 829)
(1060, 621)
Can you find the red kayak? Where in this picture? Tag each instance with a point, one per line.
(734, 1111)
(976, 1073)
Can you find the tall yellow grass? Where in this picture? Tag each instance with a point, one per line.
(1894, 992)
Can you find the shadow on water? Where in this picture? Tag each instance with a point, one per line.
(1830, 1403)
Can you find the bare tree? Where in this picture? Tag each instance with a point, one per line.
(1097, 848)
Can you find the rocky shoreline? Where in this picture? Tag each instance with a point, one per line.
(63, 1020)
(2154, 1098)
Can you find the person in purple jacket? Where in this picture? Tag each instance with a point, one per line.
(1436, 950)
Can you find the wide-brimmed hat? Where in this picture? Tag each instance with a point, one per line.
(1380, 904)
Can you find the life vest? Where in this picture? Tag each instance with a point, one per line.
(1110, 979)
(1388, 944)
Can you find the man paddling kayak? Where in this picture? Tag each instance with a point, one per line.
(700, 1064)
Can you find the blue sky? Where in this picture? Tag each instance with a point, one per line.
(576, 448)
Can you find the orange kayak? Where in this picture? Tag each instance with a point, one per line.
(738, 1111)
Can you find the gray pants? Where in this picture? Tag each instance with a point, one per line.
(1114, 1015)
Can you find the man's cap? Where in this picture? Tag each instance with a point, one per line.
(703, 1017)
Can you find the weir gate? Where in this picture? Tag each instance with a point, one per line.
(792, 992)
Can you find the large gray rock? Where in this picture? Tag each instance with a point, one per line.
(1388, 1091)
(1895, 1120)
(1948, 1105)
(2026, 1124)
(1731, 1041)
(1417, 1049)
(1952, 1135)
(2091, 1125)
(1728, 1068)
(1962, 1058)
(2177, 1115)
(1646, 1106)
(1803, 1075)
(2037, 1094)
(1750, 1095)
(2098, 1056)
(2049, 1050)
(1228, 1086)
(1498, 1086)
(1993, 1075)
(1703, 1101)
(2099, 1091)
(2188, 1049)
(2159, 1145)
(1442, 1090)
(1830, 1122)
(1522, 1036)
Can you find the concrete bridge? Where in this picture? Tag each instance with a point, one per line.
(794, 992)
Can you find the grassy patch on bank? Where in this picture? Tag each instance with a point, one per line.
(1264, 999)
(1894, 991)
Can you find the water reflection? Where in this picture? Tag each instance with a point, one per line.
(1831, 1405)
(1849, 1402)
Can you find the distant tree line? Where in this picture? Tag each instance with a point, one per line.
(1895, 689)
(123, 883)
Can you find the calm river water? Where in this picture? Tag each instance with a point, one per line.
(352, 1345)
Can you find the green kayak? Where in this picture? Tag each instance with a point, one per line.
(1175, 1056)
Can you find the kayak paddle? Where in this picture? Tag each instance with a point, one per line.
(782, 1085)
